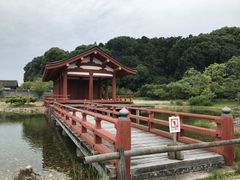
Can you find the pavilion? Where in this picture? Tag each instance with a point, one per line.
(86, 76)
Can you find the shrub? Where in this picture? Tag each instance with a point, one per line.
(153, 91)
(200, 100)
(207, 92)
(20, 100)
(124, 91)
(179, 102)
(238, 98)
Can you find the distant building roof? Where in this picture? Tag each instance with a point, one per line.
(13, 84)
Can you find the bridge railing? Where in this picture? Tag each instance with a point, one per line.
(156, 121)
(88, 125)
(66, 98)
(49, 99)
(124, 98)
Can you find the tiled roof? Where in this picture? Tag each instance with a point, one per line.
(9, 83)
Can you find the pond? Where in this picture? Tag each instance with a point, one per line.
(29, 140)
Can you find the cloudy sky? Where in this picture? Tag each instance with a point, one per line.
(30, 27)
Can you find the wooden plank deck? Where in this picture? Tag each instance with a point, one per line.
(155, 165)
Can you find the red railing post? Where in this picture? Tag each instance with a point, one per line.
(123, 138)
(97, 139)
(150, 122)
(227, 133)
(74, 115)
(84, 119)
(114, 111)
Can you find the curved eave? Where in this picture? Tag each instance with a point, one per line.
(59, 65)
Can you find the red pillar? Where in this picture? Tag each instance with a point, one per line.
(60, 86)
(90, 88)
(227, 133)
(65, 85)
(100, 89)
(123, 139)
(54, 87)
(106, 89)
(114, 88)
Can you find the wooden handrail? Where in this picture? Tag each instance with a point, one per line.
(159, 149)
(73, 116)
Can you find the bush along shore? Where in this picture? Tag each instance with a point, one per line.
(26, 109)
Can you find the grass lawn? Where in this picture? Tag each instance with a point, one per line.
(214, 109)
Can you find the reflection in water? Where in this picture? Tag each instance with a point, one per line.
(30, 140)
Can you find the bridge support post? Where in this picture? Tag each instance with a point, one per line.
(64, 133)
(227, 133)
(79, 153)
(123, 140)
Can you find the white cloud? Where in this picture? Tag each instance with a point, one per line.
(30, 27)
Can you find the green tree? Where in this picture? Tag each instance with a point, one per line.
(1, 90)
(37, 86)
(26, 85)
(218, 74)
(165, 59)
(34, 69)
(40, 87)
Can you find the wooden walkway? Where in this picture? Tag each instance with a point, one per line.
(148, 166)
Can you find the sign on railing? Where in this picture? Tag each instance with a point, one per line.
(174, 124)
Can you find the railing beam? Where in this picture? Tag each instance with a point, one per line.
(160, 149)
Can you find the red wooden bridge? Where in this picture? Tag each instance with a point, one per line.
(89, 114)
(95, 128)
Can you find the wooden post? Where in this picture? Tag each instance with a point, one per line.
(137, 113)
(150, 123)
(123, 139)
(84, 119)
(172, 155)
(177, 154)
(227, 133)
(106, 89)
(65, 85)
(60, 85)
(79, 153)
(97, 139)
(90, 88)
(73, 121)
(122, 165)
(100, 88)
(114, 87)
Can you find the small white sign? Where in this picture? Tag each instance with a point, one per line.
(174, 124)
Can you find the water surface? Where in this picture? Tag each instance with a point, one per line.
(30, 140)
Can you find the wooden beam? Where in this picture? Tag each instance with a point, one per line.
(117, 69)
(104, 64)
(91, 58)
(159, 149)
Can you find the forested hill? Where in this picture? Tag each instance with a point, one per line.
(158, 60)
